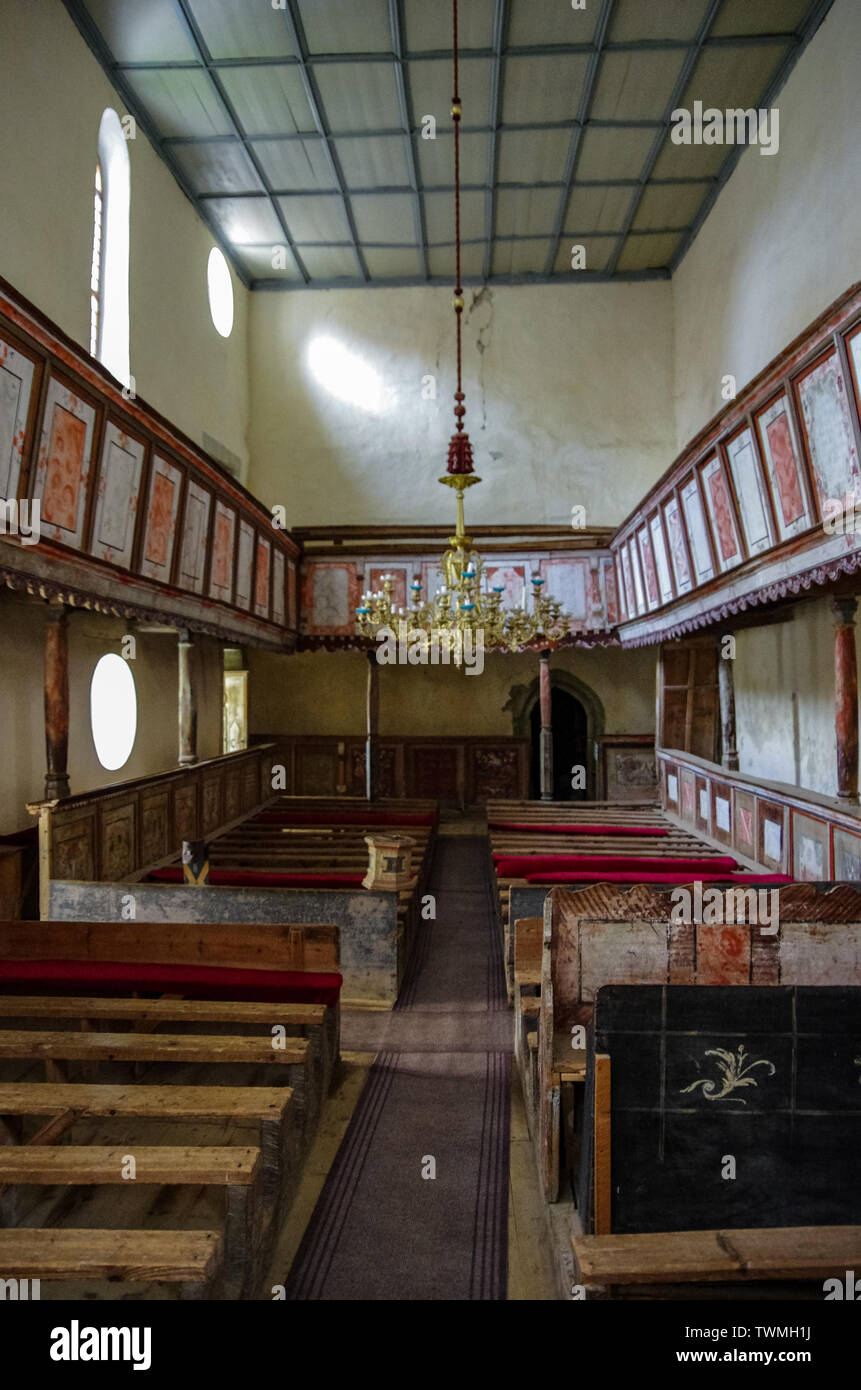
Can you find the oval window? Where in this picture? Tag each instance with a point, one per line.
(220, 288)
(113, 711)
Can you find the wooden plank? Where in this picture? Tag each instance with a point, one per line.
(248, 946)
(152, 1047)
(794, 1252)
(603, 1173)
(132, 1256)
(162, 1010)
(528, 945)
(92, 1164)
(146, 1102)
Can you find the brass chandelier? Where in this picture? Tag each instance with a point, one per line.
(461, 604)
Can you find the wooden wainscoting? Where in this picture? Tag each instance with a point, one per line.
(453, 771)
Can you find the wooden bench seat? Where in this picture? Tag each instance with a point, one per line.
(235, 1168)
(191, 1258)
(686, 1257)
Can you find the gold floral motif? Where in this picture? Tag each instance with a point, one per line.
(734, 1069)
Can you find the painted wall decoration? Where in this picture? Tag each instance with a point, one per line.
(278, 614)
(825, 414)
(622, 598)
(223, 548)
(292, 616)
(650, 574)
(330, 593)
(195, 533)
(165, 484)
(244, 564)
(16, 387)
(63, 464)
(692, 507)
(721, 514)
(681, 567)
(637, 572)
(750, 491)
(117, 496)
(659, 548)
(512, 578)
(608, 569)
(811, 855)
(261, 577)
(784, 467)
(847, 856)
(568, 581)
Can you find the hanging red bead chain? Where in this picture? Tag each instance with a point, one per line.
(459, 449)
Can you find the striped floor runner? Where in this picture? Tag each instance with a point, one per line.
(437, 1099)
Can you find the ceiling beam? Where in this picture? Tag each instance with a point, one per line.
(205, 57)
(405, 104)
(587, 95)
(435, 55)
(805, 33)
(585, 277)
(296, 30)
(684, 77)
(394, 131)
(501, 20)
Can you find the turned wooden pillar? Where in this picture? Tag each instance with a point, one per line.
(187, 703)
(372, 752)
(546, 737)
(846, 697)
(726, 691)
(56, 702)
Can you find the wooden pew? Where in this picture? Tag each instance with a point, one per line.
(735, 1256)
(236, 1169)
(269, 1107)
(528, 947)
(601, 935)
(191, 1259)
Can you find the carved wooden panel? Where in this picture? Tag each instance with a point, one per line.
(210, 808)
(250, 787)
(155, 824)
(73, 848)
(496, 773)
(232, 796)
(185, 814)
(317, 770)
(118, 856)
(436, 772)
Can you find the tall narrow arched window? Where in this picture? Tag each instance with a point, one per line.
(109, 274)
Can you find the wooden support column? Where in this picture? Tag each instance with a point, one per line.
(372, 752)
(546, 737)
(56, 702)
(846, 697)
(187, 705)
(726, 690)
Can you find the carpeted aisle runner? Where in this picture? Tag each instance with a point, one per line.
(438, 1090)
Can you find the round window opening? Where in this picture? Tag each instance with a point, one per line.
(113, 711)
(220, 288)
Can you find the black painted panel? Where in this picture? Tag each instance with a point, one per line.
(770, 1076)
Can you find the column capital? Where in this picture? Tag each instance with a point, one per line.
(843, 611)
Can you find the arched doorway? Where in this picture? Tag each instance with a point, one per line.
(570, 747)
(578, 723)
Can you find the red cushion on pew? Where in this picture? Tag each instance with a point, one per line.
(515, 865)
(760, 880)
(577, 829)
(194, 981)
(260, 878)
(336, 818)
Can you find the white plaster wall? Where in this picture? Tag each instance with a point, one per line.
(91, 636)
(569, 400)
(52, 94)
(784, 238)
(784, 692)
